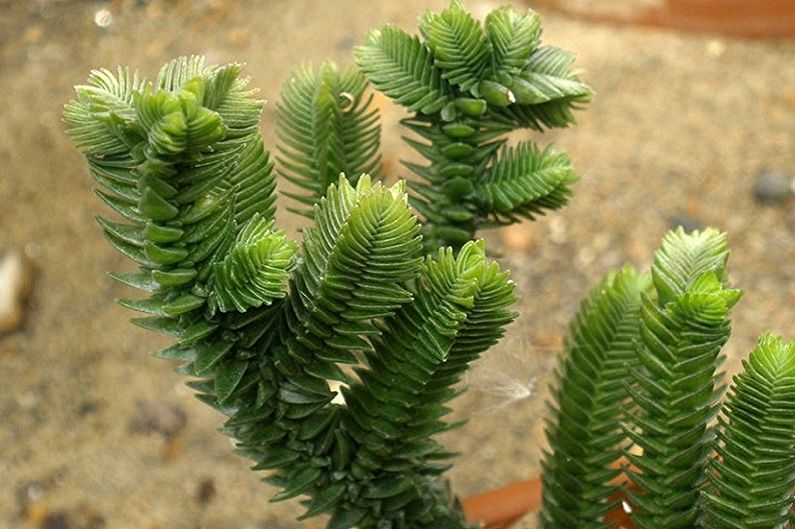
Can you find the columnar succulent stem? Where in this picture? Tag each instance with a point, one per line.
(466, 85)
(458, 152)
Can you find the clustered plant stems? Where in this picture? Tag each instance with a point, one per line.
(641, 384)
(466, 84)
(262, 326)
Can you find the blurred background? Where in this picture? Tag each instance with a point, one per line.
(693, 124)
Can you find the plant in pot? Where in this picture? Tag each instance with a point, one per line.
(391, 308)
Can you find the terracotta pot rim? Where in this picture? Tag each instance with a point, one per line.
(502, 507)
(731, 18)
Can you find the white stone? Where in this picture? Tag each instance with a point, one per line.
(15, 283)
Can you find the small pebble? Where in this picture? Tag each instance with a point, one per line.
(206, 491)
(517, 238)
(87, 408)
(16, 279)
(773, 186)
(56, 520)
(158, 417)
(684, 220)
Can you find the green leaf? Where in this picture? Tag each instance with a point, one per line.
(548, 76)
(547, 92)
(752, 480)
(345, 518)
(207, 355)
(140, 280)
(327, 126)
(401, 67)
(253, 183)
(98, 122)
(299, 482)
(459, 46)
(684, 258)
(255, 271)
(387, 488)
(524, 182)
(278, 458)
(325, 500)
(513, 38)
(228, 377)
(176, 73)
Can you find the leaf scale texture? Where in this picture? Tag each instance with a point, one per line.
(753, 472)
(676, 383)
(468, 83)
(585, 434)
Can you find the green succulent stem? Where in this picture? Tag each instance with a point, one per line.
(753, 472)
(676, 384)
(457, 152)
(467, 84)
(585, 436)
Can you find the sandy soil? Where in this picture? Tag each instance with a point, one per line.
(95, 433)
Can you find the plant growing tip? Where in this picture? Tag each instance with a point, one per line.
(468, 84)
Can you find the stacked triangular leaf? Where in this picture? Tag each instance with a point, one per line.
(585, 434)
(326, 126)
(467, 84)
(676, 383)
(753, 473)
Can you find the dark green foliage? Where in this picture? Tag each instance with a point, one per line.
(264, 328)
(754, 471)
(326, 126)
(667, 342)
(468, 84)
(676, 385)
(584, 433)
